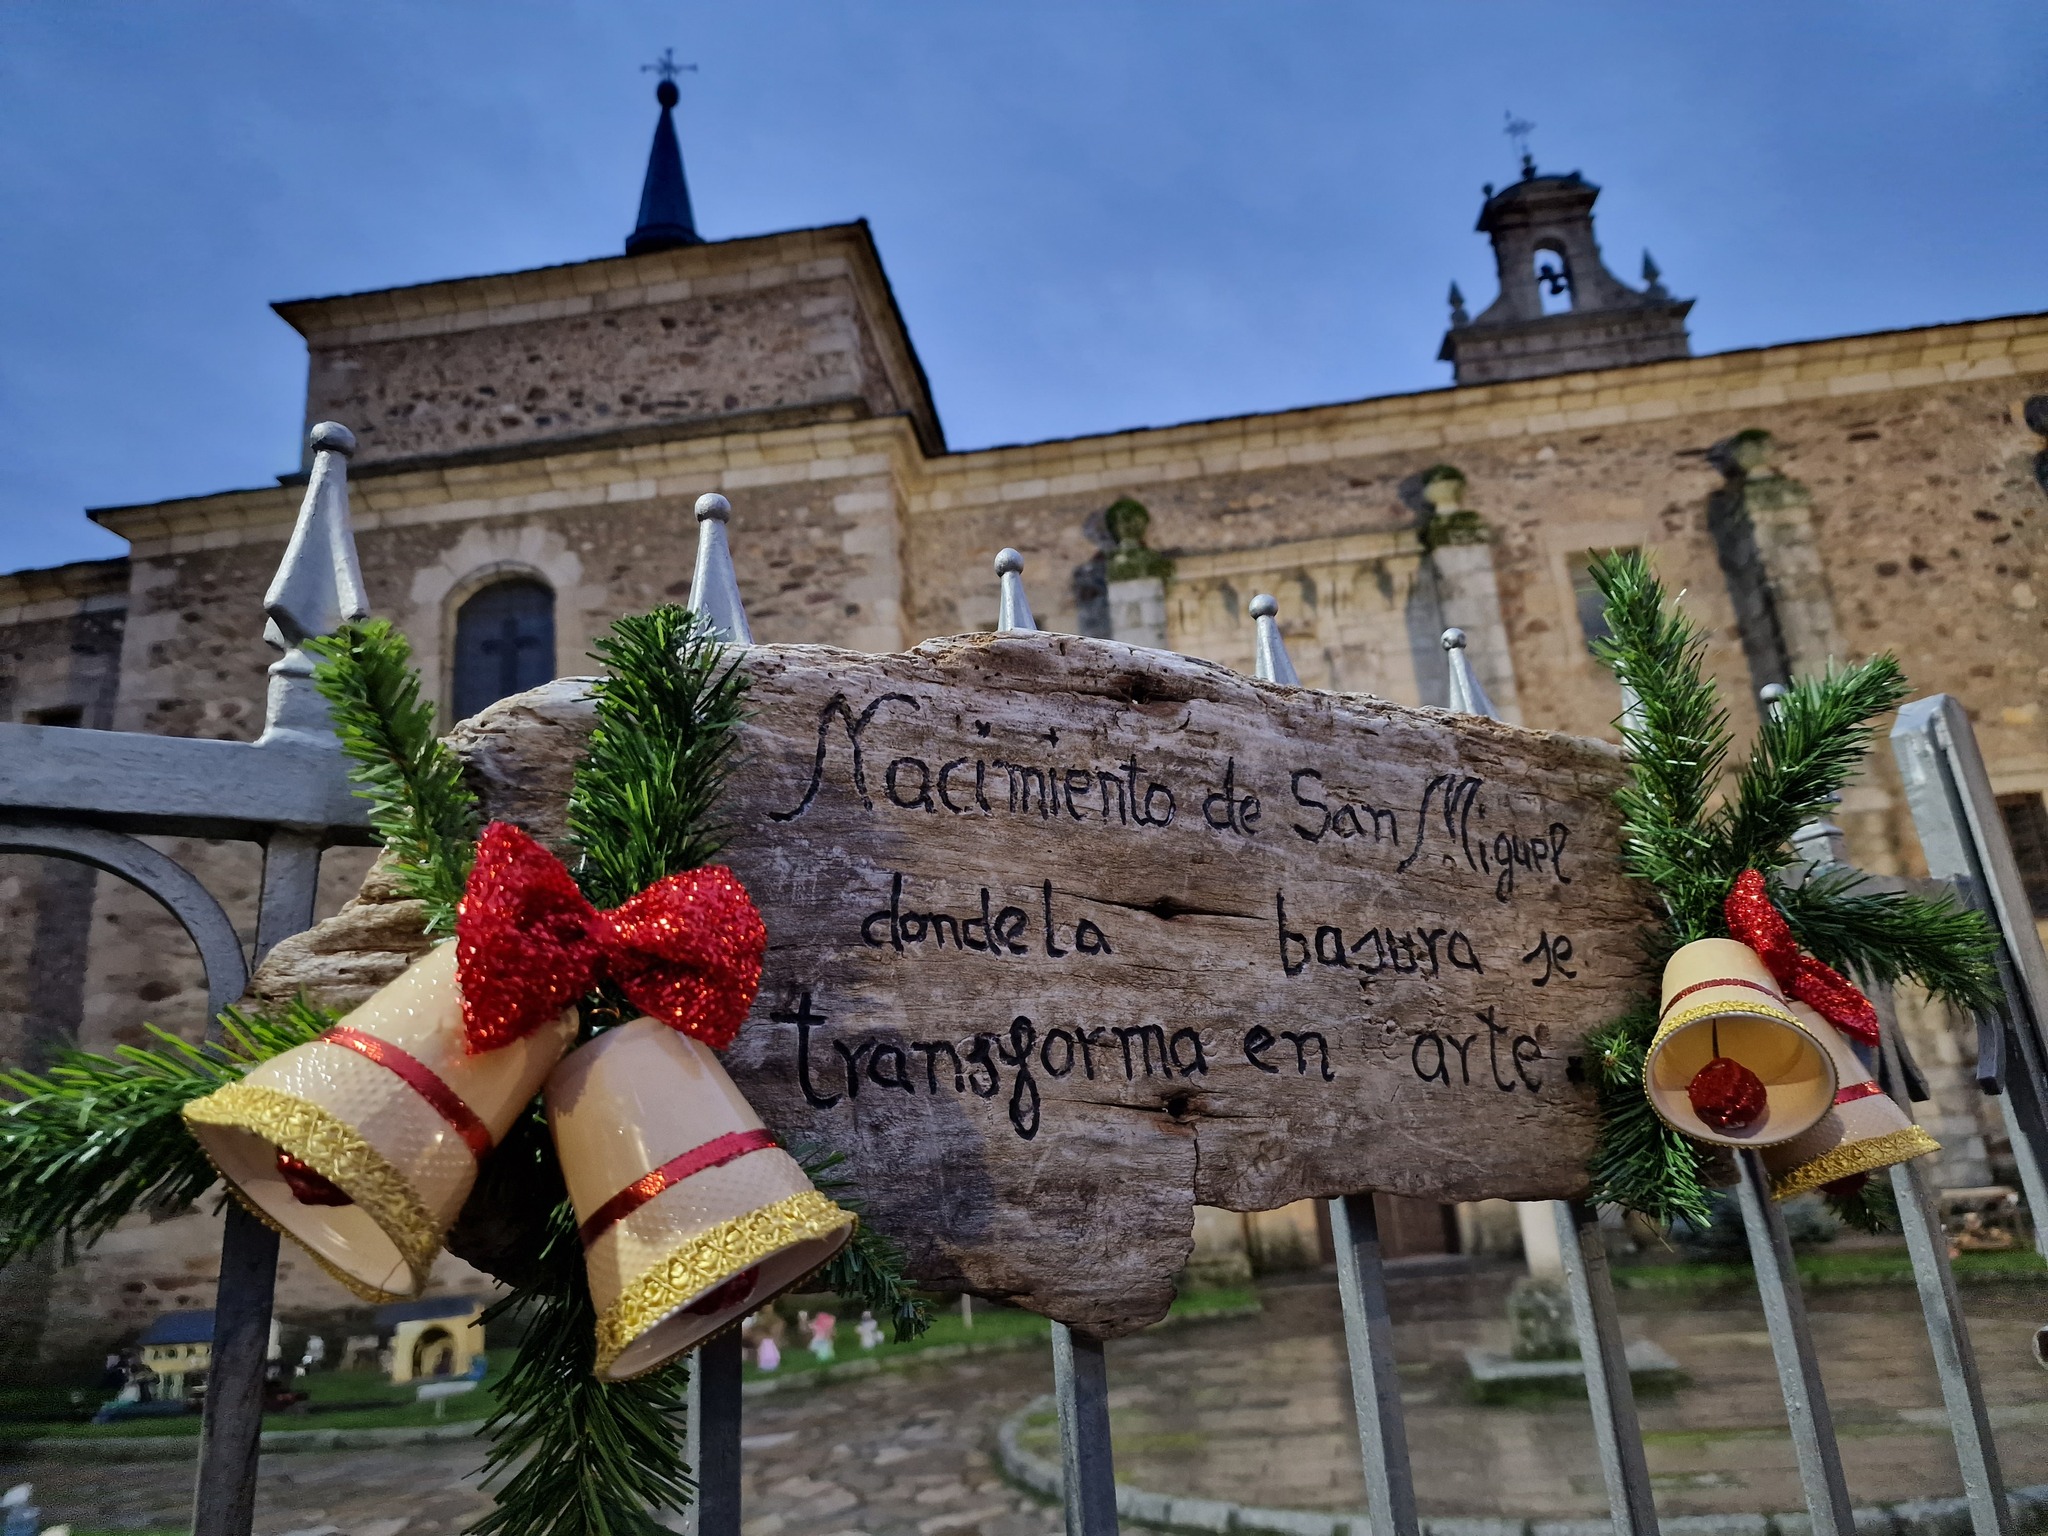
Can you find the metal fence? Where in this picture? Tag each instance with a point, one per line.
(88, 795)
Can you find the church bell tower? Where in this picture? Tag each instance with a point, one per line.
(1542, 233)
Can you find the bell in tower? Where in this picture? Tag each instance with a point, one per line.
(1560, 310)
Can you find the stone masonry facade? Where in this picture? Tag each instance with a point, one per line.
(1828, 498)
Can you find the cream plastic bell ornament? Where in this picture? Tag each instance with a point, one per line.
(1864, 1131)
(363, 1144)
(1721, 1003)
(691, 1216)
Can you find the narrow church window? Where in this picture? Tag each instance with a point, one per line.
(2026, 823)
(1592, 607)
(1553, 281)
(504, 643)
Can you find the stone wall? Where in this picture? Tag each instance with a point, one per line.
(60, 648)
(1904, 483)
(1922, 507)
(737, 329)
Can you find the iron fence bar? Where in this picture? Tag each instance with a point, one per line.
(1825, 847)
(173, 887)
(224, 1494)
(712, 1422)
(1955, 812)
(179, 786)
(291, 887)
(1806, 1403)
(1955, 1362)
(1375, 1375)
(1361, 1269)
(1609, 1390)
(713, 1436)
(289, 791)
(1948, 1332)
(2026, 1123)
(1080, 1386)
(1080, 1374)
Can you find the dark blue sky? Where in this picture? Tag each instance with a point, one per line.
(1095, 215)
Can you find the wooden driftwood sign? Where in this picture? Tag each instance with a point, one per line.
(1068, 936)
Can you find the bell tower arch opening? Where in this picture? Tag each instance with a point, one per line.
(1559, 309)
(1554, 289)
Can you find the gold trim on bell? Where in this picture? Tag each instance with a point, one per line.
(1741, 1010)
(333, 1149)
(1853, 1157)
(711, 1258)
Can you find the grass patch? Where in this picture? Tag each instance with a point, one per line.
(1890, 1267)
(44, 1404)
(1541, 1392)
(994, 1327)
(334, 1400)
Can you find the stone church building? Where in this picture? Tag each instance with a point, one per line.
(530, 446)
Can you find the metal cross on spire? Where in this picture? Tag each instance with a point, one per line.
(667, 67)
(1519, 129)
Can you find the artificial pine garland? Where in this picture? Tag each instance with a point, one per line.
(421, 811)
(1690, 840)
(98, 1137)
(578, 1456)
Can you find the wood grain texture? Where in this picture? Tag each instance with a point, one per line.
(1300, 944)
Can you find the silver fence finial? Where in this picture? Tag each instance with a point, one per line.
(1270, 661)
(1013, 616)
(714, 588)
(318, 588)
(1468, 695)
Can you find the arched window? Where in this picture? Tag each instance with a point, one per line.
(504, 643)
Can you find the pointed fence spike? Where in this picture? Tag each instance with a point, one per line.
(1013, 616)
(1631, 709)
(1270, 661)
(317, 589)
(319, 585)
(1468, 694)
(714, 588)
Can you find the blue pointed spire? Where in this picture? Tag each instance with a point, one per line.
(665, 220)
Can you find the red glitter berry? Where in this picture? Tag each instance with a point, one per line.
(1727, 1095)
(1851, 1184)
(308, 1186)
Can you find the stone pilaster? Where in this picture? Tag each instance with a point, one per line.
(1763, 530)
(1137, 578)
(1460, 563)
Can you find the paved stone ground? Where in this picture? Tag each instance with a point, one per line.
(1253, 1409)
(1258, 1410)
(906, 1453)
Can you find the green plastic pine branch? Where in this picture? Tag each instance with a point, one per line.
(420, 809)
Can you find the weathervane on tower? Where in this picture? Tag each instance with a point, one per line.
(667, 67)
(1519, 129)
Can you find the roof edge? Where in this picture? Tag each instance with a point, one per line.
(292, 311)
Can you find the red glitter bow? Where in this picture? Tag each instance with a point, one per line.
(1755, 920)
(687, 950)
